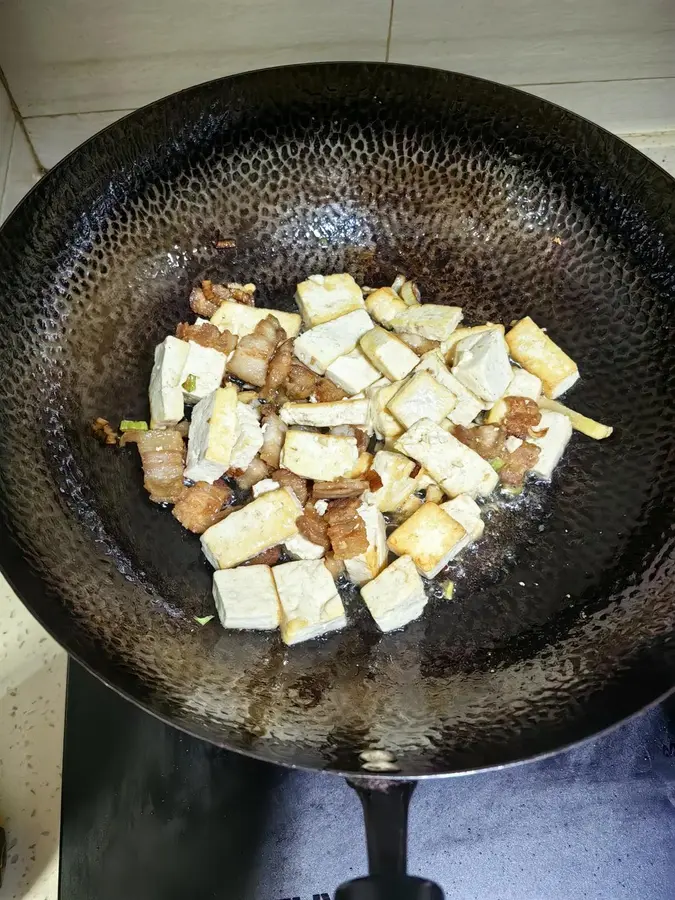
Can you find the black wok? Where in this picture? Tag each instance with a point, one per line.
(562, 622)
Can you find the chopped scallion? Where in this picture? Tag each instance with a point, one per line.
(203, 620)
(190, 383)
(133, 425)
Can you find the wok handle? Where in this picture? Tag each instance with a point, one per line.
(385, 811)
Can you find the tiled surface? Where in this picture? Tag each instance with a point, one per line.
(538, 41)
(6, 134)
(53, 137)
(72, 56)
(32, 666)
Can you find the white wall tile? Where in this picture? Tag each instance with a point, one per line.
(22, 174)
(659, 147)
(6, 135)
(53, 137)
(538, 41)
(620, 106)
(71, 56)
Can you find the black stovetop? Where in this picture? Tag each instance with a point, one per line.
(151, 814)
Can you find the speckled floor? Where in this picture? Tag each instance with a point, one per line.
(33, 667)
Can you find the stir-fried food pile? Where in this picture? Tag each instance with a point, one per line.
(355, 439)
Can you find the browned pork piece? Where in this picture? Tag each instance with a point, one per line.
(517, 463)
(346, 528)
(256, 471)
(327, 392)
(202, 505)
(208, 336)
(298, 485)
(521, 415)
(486, 440)
(254, 352)
(235, 292)
(103, 430)
(278, 370)
(313, 527)
(163, 459)
(340, 488)
(301, 382)
(268, 557)
(274, 432)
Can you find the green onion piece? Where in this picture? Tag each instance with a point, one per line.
(497, 464)
(448, 590)
(203, 620)
(133, 425)
(513, 490)
(190, 383)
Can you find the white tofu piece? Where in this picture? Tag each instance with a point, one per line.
(241, 319)
(512, 443)
(421, 397)
(249, 437)
(482, 365)
(310, 603)
(388, 353)
(246, 598)
(325, 415)
(466, 511)
(384, 305)
(534, 350)
(430, 537)
(325, 297)
(430, 320)
(448, 346)
(166, 393)
(454, 466)
(386, 427)
(263, 523)
(207, 366)
(396, 597)
(467, 405)
(300, 547)
(523, 384)
(352, 372)
(323, 344)
(213, 432)
(367, 565)
(264, 487)
(394, 469)
(322, 457)
(552, 444)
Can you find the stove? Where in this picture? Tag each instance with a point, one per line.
(149, 813)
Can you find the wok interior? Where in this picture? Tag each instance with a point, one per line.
(490, 200)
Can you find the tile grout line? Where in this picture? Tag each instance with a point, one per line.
(390, 29)
(19, 123)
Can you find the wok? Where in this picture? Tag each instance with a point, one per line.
(562, 622)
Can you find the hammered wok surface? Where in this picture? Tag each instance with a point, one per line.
(491, 199)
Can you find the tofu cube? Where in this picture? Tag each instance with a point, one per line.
(325, 297)
(246, 598)
(534, 350)
(310, 603)
(322, 457)
(388, 353)
(363, 464)
(448, 346)
(352, 372)
(410, 506)
(552, 444)
(249, 438)
(466, 511)
(421, 397)
(213, 432)
(394, 469)
(523, 384)
(323, 344)
(166, 393)
(396, 597)
(241, 319)
(207, 367)
(482, 365)
(430, 320)
(299, 547)
(265, 486)
(467, 405)
(430, 537)
(386, 427)
(384, 305)
(367, 565)
(325, 415)
(454, 466)
(263, 523)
